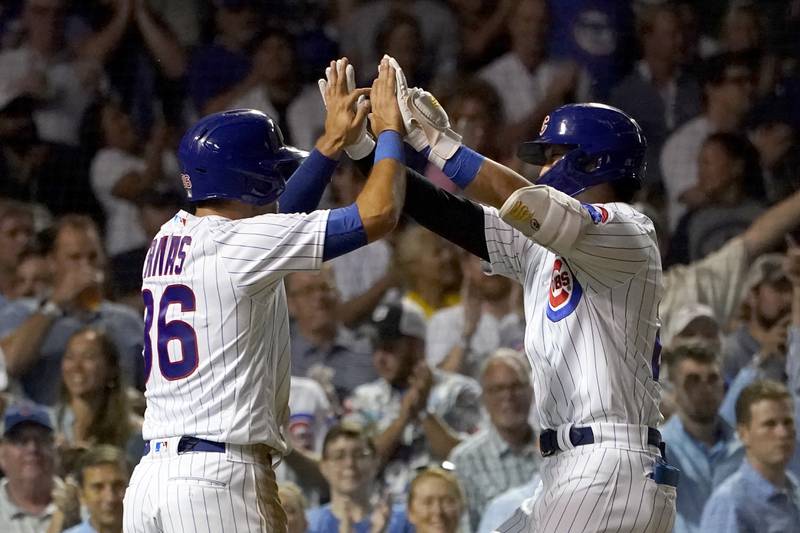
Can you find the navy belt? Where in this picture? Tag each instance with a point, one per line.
(193, 444)
(580, 436)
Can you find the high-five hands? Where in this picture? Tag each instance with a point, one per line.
(340, 76)
(386, 114)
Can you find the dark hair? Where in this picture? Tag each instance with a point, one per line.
(714, 68)
(693, 349)
(646, 20)
(110, 423)
(740, 149)
(102, 454)
(766, 389)
(482, 90)
(71, 221)
(347, 430)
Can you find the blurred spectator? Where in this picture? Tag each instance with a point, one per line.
(140, 54)
(318, 337)
(699, 442)
(658, 93)
(459, 338)
(430, 270)
(36, 171)
(94, 408)
(102, 477)
(34, 334)
(417, 413)
(400, 36)
(435, 502)
(216, 67)
(295, 505)
(773, 132)
(482, 26)
(367, 275)
(729, 89)
(123, 171)
(476, 112)
(28, 460)
(693, 321)
(500, 508)
(760, 496)
(529, 84)
(438, 28)
(350, 466)
(597, 34)
(43, 67)
(184, 18)
(16, 232)
(505, 454)
(726, 200)
(274, 87)
(763, 330)
(719, 280)
(34, 276)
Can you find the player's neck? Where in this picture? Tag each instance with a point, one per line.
(705, 432)
(231, 210)
(602, 193)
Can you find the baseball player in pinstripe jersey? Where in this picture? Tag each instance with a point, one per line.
(216, 328)
(590, 268)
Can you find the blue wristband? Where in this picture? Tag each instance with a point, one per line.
(463, 166)
(390, 146)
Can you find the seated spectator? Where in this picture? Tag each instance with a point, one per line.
(429, 268)
(28, 461)
(318, 337)
(729, 89)
(34, 334)
(94, 404)
(459, 338)
(41, 172)
(773, 131)
(274, 87)
(767, 305)
(102, 477)
(350, 465)
(416, 413)
(761, 495)
(400, 36)
(505, 454)
(435, 502)
(44, 68)
(529, 84)
(700, 443)
(658, 93)
(219, 65)
(503, 506)
(123, 171)
(34, 276)
(16, 232)
(294, 504)
(728, 198)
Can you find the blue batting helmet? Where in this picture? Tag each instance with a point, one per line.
(236, 155)
(606, 145)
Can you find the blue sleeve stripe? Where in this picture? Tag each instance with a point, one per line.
(305, 187)
(344, 232)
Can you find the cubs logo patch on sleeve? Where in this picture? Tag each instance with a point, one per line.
(599, 214)
(565, 291)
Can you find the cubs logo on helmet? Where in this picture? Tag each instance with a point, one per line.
(565, 291)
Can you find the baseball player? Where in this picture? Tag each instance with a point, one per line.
(216, 327)
(590, 269)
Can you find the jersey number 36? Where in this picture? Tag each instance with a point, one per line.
(169, 331)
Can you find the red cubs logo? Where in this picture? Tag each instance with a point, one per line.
(565, 291)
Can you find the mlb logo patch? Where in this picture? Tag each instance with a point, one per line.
(161, 446)
(565, 291)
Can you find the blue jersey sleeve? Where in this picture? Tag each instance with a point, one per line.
(344, 232)
(305, 187)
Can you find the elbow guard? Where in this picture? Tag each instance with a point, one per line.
(549, 217)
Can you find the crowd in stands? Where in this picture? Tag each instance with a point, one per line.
(412, 406)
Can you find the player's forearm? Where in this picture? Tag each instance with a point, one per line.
(21, 347)
(494, 183)
(100, 45)
(353, 311)
(454, 360)
(769, 228)
(388, 440)
(441, 438)
(381, 201)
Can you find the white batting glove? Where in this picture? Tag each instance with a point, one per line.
(426, 121)
(365, 143)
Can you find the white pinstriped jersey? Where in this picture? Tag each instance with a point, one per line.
(217, 353)
(591, 317)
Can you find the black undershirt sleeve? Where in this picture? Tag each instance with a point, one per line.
(458, 220)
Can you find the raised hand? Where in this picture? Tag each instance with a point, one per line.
(358, 142)
(346, 108)
(385, 111)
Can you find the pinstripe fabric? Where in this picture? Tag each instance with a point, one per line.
(203, 492)
(591, 328)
